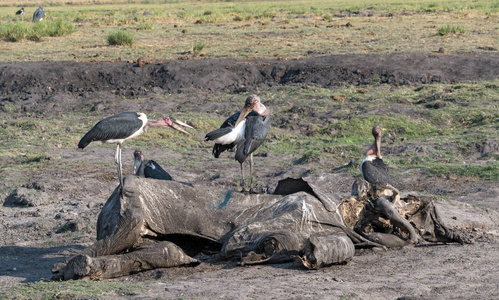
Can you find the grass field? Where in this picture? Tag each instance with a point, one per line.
(254, 29)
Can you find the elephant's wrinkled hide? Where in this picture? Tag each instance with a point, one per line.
(165, 223)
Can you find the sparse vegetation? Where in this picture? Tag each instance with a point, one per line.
(120, 38)
(198, 47)
(311, 23)
(18, 31)
(451, 29)
(70, 289)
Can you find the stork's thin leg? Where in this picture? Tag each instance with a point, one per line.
(120, 174)
(251, 173)
(117, 152)
(242, 179)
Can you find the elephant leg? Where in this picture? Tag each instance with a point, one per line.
(322, 251)
(150, 256)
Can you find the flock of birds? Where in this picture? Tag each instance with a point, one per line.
(246, 130)
(38, 15)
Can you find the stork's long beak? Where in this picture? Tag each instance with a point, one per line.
(378, 146)
(176, 125)
(242, 115)
(139, 158)
(136, 166)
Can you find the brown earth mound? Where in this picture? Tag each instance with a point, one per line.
(60, 86)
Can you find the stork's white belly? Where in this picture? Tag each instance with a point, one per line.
(235, 136)
(367, 158)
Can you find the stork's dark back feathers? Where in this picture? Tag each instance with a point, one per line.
(119, 126)
(257, 128)
(224, 129)
(153, 170)
(376, 172)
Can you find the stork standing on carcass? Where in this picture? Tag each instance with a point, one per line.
(372, 168)
(374, 171)
(123, 126)
(148, 168)
(245, 129)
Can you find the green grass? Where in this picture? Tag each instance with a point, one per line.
(19, 31)
(120, 38)
(71, 289)
(447, 135)
(258, 29)
(451, 29)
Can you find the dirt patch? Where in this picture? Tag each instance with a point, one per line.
(64, 221)
(61, 86)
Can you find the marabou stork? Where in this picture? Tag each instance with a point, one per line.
(123, 126)
(372, 168)
(374, 171)
(38, 14)
(245, 129)
(148, 168)
(20, 12)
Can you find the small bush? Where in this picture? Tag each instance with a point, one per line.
(451, 29)
(328, 17)
(59, 28)
(146, 26)
(120, 38)
(15, 32)
(198, 47)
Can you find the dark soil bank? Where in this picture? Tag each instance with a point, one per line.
(59, 84)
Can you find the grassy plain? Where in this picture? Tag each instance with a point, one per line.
(256, 29)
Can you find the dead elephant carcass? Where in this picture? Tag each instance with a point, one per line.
(163, 224)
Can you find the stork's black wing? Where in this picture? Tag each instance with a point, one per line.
(257, 128)
(223, 130)
(376, 171)
(119, 126)
(153, 170)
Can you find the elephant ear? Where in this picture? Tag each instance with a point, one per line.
(330, 189)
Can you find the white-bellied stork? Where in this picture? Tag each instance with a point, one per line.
(374, 171)
(123, 126)
(148, 168)
(38, 14)
(245, 129)
(372, 167)
(20, 12)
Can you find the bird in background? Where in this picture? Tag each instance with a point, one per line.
(246, 130)
(123, 126)
(38, 14)
(20, 12)
(148, 168)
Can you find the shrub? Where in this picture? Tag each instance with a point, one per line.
(146, 26)
(59, 28)
(120, 38)
(451, 29)
(198, 47)
(15, 31)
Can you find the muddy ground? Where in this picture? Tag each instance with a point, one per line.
(67, 202)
